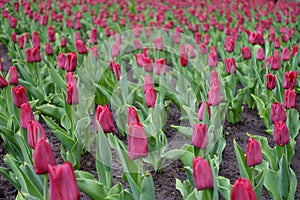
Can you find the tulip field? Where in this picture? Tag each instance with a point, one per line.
(144, 100)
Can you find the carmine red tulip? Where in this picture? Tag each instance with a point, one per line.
(19, 94)
(139, 58)
(246, 53)
(150, 97)
(253, 153)
(277, 113)
(277, 43)
(71, 62)
(36, 39)
(104, 118)
(34, 132)
(289, 98)
(206, 39)
(13, 76)
(42, 157)
(260, 54)
(36, 54)
(203, 178)
(285, 54)
(72, 91)
(270, 81)
(137, 44)
(13, 22)
(198, 37)
(147, 83)
(212, 57)
(51, 34)
(77, 36)
(295, 50)
(191, 50)
(184, 58)
(63, 185)
(28, 55)
(230, 65)
(253, 38)
(93, 36)
(214, 94)
(290, 79)
(203, 49)
(176, 37)
(14, 37)
(63, 42)
(21, 41)
(200, 136)
(229, 44)
(61, 60)
(132, 117)
(3, 82)
(242, 189)
(80, 46)
(137, 142)
(281, 133)
(160, 66)
(204, 105)
(275, 61)
(48, 49)
(26, 115)
(158, 43)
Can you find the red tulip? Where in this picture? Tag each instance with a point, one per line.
(34, 132)
(200, 136)
(104, 118)
(61, 60)
(281, 133)
(229, 44)
(3, 82)
(36, 54)
(137, 44)
(204, 105)
(63, 42)
(285, 54)
(36, 39)
(139, 58)
(206, 39)
(19, 94)
(212, 57)
(253, 38)
(295, 50)
(51, 34)
(203, 178)
(137, 142)
(28, 55)
(158, 43)
(289, 98)
(42, 156)
(14, 37)
(277, 113)
(72, 91)
(198, 37)
(203, 50)
(77, 36)
(230, 65)
(246, 53)
(26, 115)
(253, 153)
(71, 62)
(63, 185)
(176, 37)
(275, 61)
(48, 49)
(242, 189)
(160, 66)
(290, 79)
(21, 41)
(277, 43)
(13, 22)
(214, 95)
(150, 97)
(147, 83)
(13, 76)
(260, 54)
(184, 58)
(270, 81)
(132, 117)
(80, 47)
(93, 36)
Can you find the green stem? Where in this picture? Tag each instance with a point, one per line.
(46, 192)
(252, 176)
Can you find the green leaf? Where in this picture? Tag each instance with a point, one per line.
(66, 122)
(92, 188)
(283, 177)
(116, 189)
(271, 184)
(147, 188)
(241, 158)
(259, 180)
(224, 187)
(51, 111)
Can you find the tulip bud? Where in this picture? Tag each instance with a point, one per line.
(158, 43)
(289, 81)
(214, 95)
(147, 64)
(3, 82)
(203, 178)
(104, 118)
(281, 133)
(72, 91)
(147, 83)
(51, 34)
(212, 57)
(230, 64)
(204, 105)
(34, 132)
(13, 22)
(61, 60)
(270, 81)
(160, 66)
(29, 58)
(242, 189)
(36, 54)
(36, 39)
(176, 37)
(137, 142)
(48, 49)
(275, 61)
(295, 50)
(206, 39)
(14, 37)
(198, 37)
(42, 157)
(203, 50)
(80, 47)
(285, 54)
(93, 36)
(63, 183)
(246, 53)
(229, 44)
(260, 54)
(253, 38)
(139, 58)
(184, 58)
(19, 94)
(289, 98)
(253, 153)
(26, 115)
(21, 42)
(13, 76)
(150, 97)
(200, 136)
(71, 62)
(277, 113)
(63, 42)
(277, 43)
(132, 117)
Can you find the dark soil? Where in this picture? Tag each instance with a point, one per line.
(165, 180)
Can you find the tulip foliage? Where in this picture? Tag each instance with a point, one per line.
(103, 75)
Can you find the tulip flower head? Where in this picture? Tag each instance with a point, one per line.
(242, 189)
(270, 81)
(253, 153)
(137, 142)
(13, 76)
(281, 133)
(277, 113)
(200, 136)
(26, 115)
(104, 118)
(203, 178)
(42, 157)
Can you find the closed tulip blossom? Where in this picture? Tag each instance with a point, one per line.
(160, 66)
(289, 98)
(200, 136)
(295, 50)
(150, 97)
(203, 49)
(21, 42)
(139, 58)
(290, 79)
(246, 53)
(28, 55)
(36, 39)
(242, 189)
(132, 117)
(277, 43)
(275, 61)
(230, 65)
(72, 92)
(36, 54)
(229, 44)
(61, 60)
(14, 37)
(13, 76)
(104, 118)
(214, 93)
(42, 157)
(285, 54)
(204, 105)
(19, 94)
(184, 58)
(253, 153)
(63, 42)
(281, 133)
(270, 81)
(70, 62)
(212, 57)
(206, 39)
(3, 82)
(277, 113)
(158, 43)
(80, 46)
(137, 142)
(147, 83)
(202, 174)
(260, 54)
(48, 49)
(63, 185)
(34, 132)
(26, 115)
(51, 34)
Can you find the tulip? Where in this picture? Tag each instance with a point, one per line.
(13, 22)
(214, 94)
(229, 44)
(160, 66)
(191, 50)
(13, 76)
(206, 39)
(260, 39)
(147, 83)
(277, 43)
(270, 81)
(295, 50)
(61, 60)
(204, 105)
(253, 153)
(246, 53)
(275, 61)
(19, 94)
(71, 62)
(253, 38)
(198, 37)
(203, 49)
(289, 80)
(13, 37)
(51, 34)
(93, 36)
(34, 132)
(158, 43)
(36, 39)
(137, 142)
(212, 57)
(285, 54)
(200, 136)
(137, 44)
(260, 54)
(203, 178)
(26, 115)
(281, 133)
(132, 117)
(48, 49)
(28, 55)
(1, 65)
(139, 58)
(63, 185)
(72, 91)
(289, 98)
(21, 42)
(176, 37)
(104, 118)
(80, 47)
(63, 42)
(77, 36)
(3, 82)
(242, 189)
(42, 157)
(147, 64)
(230, 64)
(277, 113)
(184, 58)
(36, 54)
(150, 97)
